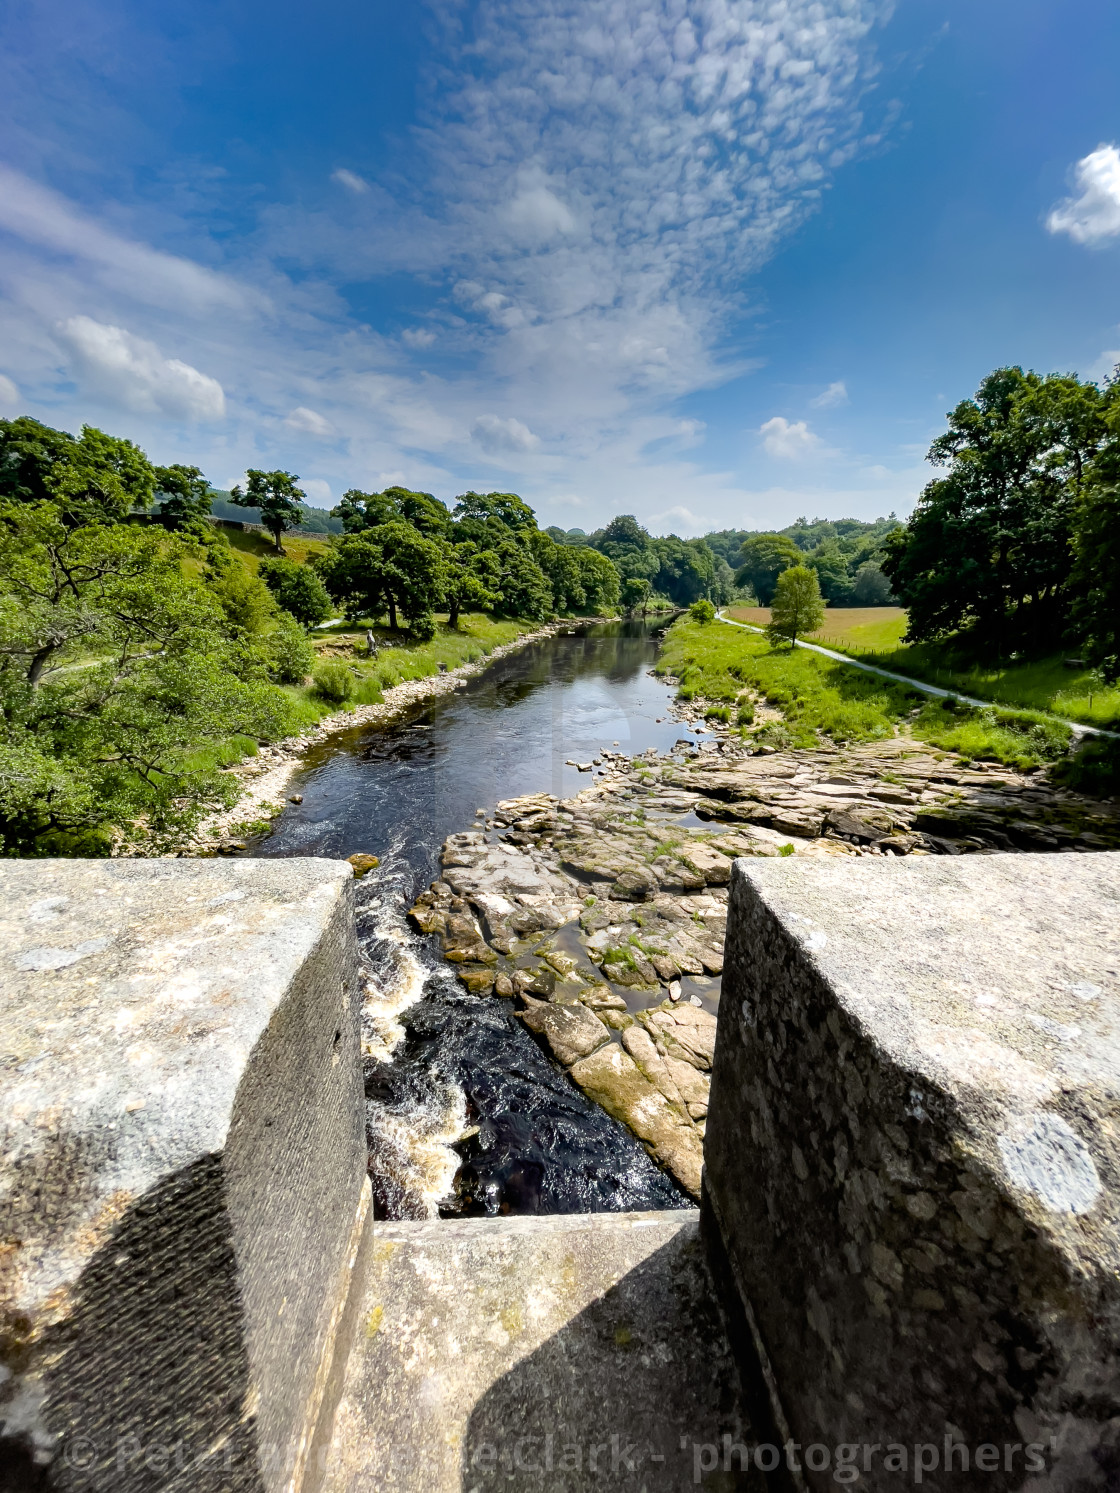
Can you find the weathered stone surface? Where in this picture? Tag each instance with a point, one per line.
(548, 1354)
(570, 1031)
(183, 1166)
(913, 1155)
(613, 1079)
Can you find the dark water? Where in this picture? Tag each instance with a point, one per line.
(464, 1111)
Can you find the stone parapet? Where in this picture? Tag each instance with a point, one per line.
(182, 1183)
(913, 1161)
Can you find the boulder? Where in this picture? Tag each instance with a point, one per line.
(572, 1032)
(710, 865)
(635, 884)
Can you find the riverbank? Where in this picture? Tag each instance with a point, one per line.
(264, 779)
(601, 916)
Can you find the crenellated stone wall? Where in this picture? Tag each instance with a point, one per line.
(183, 1182)
(913, 1161)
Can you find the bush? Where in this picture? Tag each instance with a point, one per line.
(291, 655)
(297, 588)
(702, 611)
(335, 682)
(745, 715)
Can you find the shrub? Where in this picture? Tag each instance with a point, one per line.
(334, 681)
(1093, 768)
(290, 653)
(702, 611)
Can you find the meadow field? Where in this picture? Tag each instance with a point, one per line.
(1057, 683)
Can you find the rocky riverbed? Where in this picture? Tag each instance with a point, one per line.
(602, 916)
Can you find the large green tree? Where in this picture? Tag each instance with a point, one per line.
(390, 568)
(369, 510)
(184, 496)
(276, 495)
(987, 548)
(762, 559)
(115, 667)
(471, 579)
(92, 478)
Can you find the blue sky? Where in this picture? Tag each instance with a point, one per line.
(713, 262)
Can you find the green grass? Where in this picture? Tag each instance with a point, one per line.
(874, 634)
(821, 696)
(1037, 684)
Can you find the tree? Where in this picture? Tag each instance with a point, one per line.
(687, 569)
(523, 587)
(762, 559)
(797, 606)
(599, 579)
(184, 495)
(504, 508)
(115, 667)
(296, 588)
(277, 497)
(871, 587)
(702, 611)
(635, 593)
(471, 579)
(360, 510)
(988, 546)
(389, 568)
(831, 565)
(96, 478)
(1095, 582)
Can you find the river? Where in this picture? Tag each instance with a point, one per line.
(465, 1113)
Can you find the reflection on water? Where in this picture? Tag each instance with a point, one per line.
(463, 1107)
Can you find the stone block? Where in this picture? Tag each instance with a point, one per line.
(182, 1188)
(913, 1157)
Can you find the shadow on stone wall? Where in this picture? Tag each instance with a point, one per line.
(640, 1391)
(150, 1360)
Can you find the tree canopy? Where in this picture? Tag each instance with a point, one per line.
(989, 547)
(797, 606)
(276, 495)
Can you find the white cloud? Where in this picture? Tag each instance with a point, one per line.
(418, 337)
(679, 517)
(496, 435)
(309, 422)
(130, 371)
(1094, 215)
(836, 393)
(318, 492)
(9, 394)
(788, 440)
(351, 181)
(1105, 366)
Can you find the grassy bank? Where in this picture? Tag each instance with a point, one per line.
(1048, 684)
(823, 697)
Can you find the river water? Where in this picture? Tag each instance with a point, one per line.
(465, 1112)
